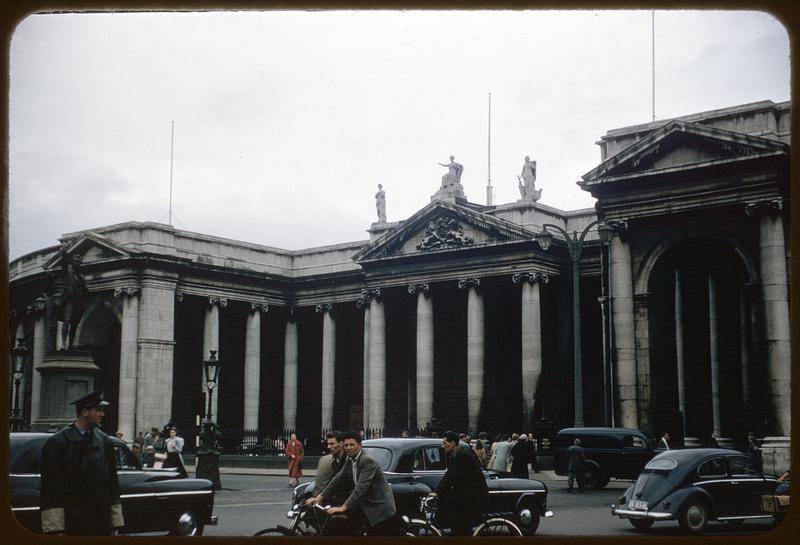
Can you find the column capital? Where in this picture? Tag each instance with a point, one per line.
(467, 283)
(764, 206)
(367, 295)
(221, 301)
(323, 307)
(259, 307)
(530, 277)
(640, 299)
(128, 291)
(422, 288)
(179, 297)
(620, 226)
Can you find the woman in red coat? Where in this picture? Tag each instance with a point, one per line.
(294, 450)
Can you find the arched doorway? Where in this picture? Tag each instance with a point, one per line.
(99, 332)
(702, 375)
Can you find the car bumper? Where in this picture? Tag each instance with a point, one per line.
(213, 520)
(631, 514)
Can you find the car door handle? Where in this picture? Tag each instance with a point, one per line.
(734, 482)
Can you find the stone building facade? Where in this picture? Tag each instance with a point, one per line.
(461, 312)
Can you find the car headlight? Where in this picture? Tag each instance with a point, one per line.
(622, 500)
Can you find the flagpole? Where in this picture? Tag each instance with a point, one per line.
(653, 50)
(489, 157)
(171, 155)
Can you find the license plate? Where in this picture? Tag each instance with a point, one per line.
(637, 505)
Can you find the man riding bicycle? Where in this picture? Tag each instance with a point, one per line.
(370, 504)
(463, 488)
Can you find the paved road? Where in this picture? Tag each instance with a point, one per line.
(248, 503)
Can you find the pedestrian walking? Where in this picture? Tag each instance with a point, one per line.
(493, 452)
(139, 440)
(712, 440)
(755, 452)
(520, 454)
(79, 486)
(575, 461)
(480, 452)
(149, 459)
(295, 451)
(502, 454)
(138, 455)
(174, 446)
(663, 443)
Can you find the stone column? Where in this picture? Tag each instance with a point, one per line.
(363, 302)
(713, 350)
(252, 365)
(475, 352)
(680, 351)
(377, 364)
(744, 346)
(156, 352)
(328, 364)
(211, 342)
(531, 340)
(775, 293)
(290, 374)
(624, 333)
(425, 379)
(128, 361)
(39, 309)
(641, 317)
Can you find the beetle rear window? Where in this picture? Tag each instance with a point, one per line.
(660, 466)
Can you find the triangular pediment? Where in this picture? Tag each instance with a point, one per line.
(682, 144)
(91, 247)
(442, 226)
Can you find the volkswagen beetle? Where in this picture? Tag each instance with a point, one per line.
(695, 486)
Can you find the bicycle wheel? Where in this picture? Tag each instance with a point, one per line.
(420, 528)
(497, 527)
(274, 532)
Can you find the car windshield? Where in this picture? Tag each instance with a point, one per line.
(381, 455)
(25, 454)
(660, 466)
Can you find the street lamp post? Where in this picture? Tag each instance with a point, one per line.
(19, 355)
(208, 450)
(574, 246)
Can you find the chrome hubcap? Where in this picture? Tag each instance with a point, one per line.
(695, 516)
(525, 517)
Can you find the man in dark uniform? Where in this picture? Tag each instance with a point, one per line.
(462, 489)
(79, 488)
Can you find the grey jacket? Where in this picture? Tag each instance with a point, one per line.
(575, 458)
(371, 492)
(325, 472)
(501, 456)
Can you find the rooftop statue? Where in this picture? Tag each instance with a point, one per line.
(380, 204)
(527, 189)
(454, 171)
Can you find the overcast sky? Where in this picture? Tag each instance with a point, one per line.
(285, 122)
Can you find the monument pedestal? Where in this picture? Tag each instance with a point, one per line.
(776, 454)
(67, 375)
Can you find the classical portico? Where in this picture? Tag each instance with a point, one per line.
(456, 313)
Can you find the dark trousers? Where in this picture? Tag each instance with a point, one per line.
(575, 474)
(94, 523)
(459, 516)
(355, 523)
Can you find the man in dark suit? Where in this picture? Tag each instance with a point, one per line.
(370, 501)
(462, 489)
(79, 487)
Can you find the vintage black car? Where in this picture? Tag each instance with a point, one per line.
(695, 486)
(620, 453)
(414, 466)
(153, 500)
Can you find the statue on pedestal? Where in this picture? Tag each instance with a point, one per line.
(72, 299)
(527, 189)
(380, 204)
(453, 175)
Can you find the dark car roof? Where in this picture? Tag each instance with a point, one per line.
(688, 459)
(600, 431)
(25, 450)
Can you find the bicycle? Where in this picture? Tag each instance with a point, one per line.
(306, 521)
(487, 524)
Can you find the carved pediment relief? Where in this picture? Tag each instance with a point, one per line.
(90, 247)
(442, 226)
(679, 144)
